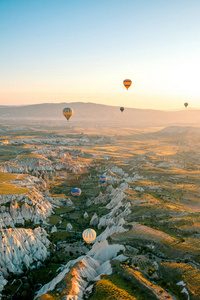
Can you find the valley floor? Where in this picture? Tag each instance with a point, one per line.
(146, 216)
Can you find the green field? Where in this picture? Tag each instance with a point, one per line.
(9, 188)
(116, 287)
(8, 177)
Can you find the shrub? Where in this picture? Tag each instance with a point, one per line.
(151, 271)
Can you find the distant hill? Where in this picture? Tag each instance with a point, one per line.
(98, 113)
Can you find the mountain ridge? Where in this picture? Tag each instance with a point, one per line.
(93, 112)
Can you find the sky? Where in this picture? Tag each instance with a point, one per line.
(82, 50)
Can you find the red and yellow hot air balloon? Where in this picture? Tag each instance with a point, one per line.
(127, 83)
(68, 112)
(5, 142)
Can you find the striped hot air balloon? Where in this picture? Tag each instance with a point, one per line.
(89, 235)
(76, 192)
(103, 179)
(68, 112)
(127, 83)
(62, 156)
(122, 109)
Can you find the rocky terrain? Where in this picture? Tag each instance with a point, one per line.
(146, 216)
(21, 247)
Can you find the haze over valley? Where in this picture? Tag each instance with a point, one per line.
(87, 114)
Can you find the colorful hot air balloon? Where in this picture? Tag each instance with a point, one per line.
(76, 192)
(5, 143)
(62, 156)
(103, 179)
(186, 104)
(89, 235)
(68, 112)
(122, 109)
(127, 83)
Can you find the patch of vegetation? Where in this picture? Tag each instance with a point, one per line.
(60, 236)
(11, 152)
(29, 224)
(52, 295)
(24, 286)
(106, 289)
(45, 273)
(63, 209)
(8, 177)
(115, 287)
(175, 272)
(54, 219)
(173, 288)
(12, 189)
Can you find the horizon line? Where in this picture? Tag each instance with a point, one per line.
(76, 102)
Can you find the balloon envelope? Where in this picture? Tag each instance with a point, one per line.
(76, 192)
(103, 179)
(122, 109)
(89, 235)
(68, 112)
(63, 156)
(127, 83)
(5, 143)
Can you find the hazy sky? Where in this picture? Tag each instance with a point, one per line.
(70, 50)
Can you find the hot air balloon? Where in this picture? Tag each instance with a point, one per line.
(68, 112)
(5, 143)
(89, 235)
(186, 104)
(127, 83)
(62, 156)
(103, 179)
(122, 109)
(76, 192)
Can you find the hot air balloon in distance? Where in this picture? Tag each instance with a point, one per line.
(68, 112)
(89, 235)
(103, 179)
(122, 109)
(62, 156)
(105, 158)
(186, 104)
(127, 83)
(76, 192)
(5, 142)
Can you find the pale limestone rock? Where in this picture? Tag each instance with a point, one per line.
(139, 189)
(69, 227)
(85, 215)
(53, 229)
(95, 263)
(18, 246)
(95, 220)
